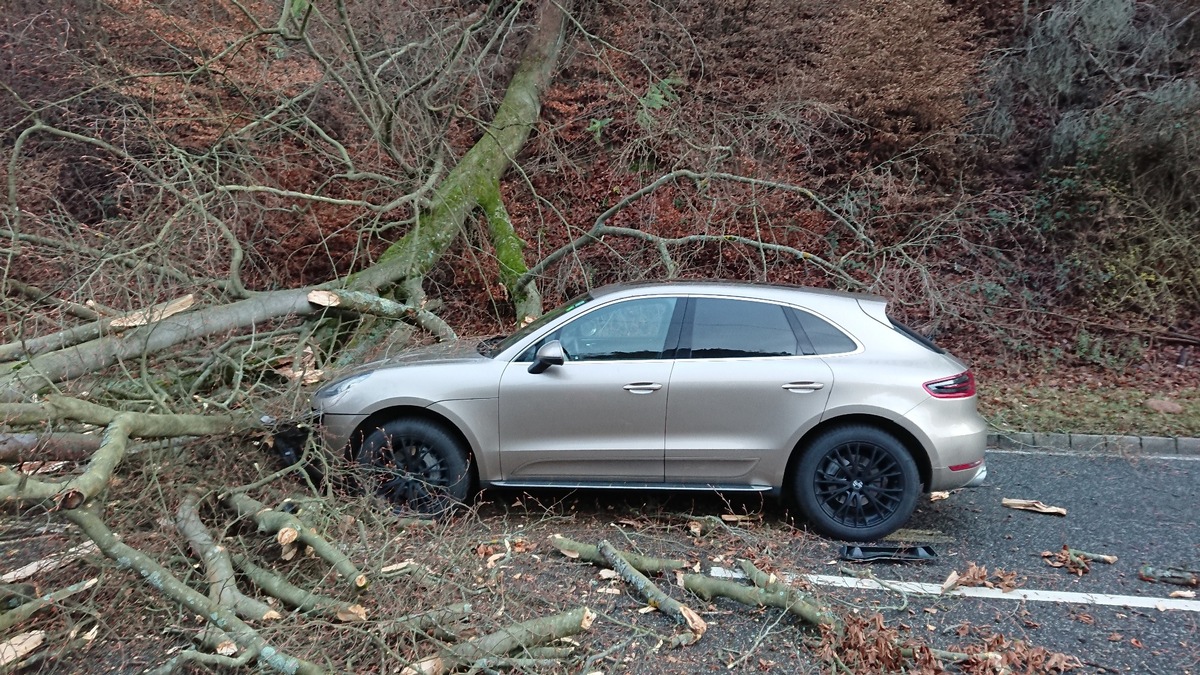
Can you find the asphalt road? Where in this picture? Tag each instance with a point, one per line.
(1144, 510)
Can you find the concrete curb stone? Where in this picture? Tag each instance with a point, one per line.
(1099, 443)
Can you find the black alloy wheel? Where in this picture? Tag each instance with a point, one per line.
(856, 483)
(415, 465)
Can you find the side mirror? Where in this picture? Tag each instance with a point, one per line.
(549, 354)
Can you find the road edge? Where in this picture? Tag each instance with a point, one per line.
(1099, 443)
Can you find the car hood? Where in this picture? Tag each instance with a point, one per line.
(442, 352)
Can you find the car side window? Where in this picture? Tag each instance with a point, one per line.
(825, 338)
(725, 328)
(623, 331)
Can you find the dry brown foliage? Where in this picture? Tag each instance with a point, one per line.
(901, 67)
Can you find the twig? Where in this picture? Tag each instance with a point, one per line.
(161, 579)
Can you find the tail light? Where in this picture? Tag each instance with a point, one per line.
(958, 386)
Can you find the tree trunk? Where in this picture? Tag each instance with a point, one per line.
(475, 180)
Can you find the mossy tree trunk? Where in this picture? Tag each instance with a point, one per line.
(474, 183)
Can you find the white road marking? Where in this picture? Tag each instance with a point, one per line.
(1027, 594)
(1031, 595)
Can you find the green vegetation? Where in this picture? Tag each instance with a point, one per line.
(1088, 410)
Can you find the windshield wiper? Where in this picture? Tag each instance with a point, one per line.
(486, 346)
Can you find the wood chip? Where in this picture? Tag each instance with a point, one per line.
(324, 298)
(950, 582)
(1033, 505)
(286, 536)
(16, 648)
(49, 563)
(352, 614)
(733, 518)
(154, 313)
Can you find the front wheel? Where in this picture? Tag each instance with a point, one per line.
(856, 483)
(415, 465)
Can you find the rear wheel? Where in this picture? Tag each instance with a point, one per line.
(856, 483)
(415, 465)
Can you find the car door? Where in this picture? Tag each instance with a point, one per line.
(741, 389)
(600, 416)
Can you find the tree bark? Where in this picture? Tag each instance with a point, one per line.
(475, 180)
(654, 595)
(592, 554)
(28, 377)
(218, 566)
(530, 633)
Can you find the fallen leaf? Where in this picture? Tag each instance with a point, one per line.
(1183, 594)
(610, 591)
(939, 495)
(227, 648)
(1115, 637)
(1136, 643)
(495, 558)
(1033, 505)
(608, 574)
(647, 609)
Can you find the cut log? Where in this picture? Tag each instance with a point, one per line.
(532, 633)
(708, 588)
(218, 565)
(592, 554)
(654, 596)
(275, 522)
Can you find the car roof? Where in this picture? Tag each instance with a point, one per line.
(728, 287)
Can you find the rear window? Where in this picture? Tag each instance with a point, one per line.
(916, 337)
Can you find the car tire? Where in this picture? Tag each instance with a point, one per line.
(856, 483)
(416, 465)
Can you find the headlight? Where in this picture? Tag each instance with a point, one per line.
(328, 394)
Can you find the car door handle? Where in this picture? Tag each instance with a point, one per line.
(642, 387)
(804, 387)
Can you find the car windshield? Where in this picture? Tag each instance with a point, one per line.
(493, 346)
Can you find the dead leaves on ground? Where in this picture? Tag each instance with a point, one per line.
(1033, 505)
(1075, 561)
(978, 575)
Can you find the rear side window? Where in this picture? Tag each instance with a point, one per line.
(722, 328)
(825, 338)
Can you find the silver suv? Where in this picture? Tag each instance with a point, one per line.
(813, 395)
